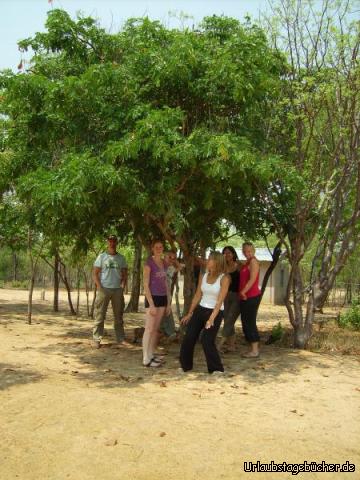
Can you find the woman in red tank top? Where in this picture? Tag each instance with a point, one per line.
(250, 296)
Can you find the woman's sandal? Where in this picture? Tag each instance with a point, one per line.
(153, 363)
(157, 359)
(228, 349)
(250, 355)
(159, 355)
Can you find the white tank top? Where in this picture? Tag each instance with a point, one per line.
(210, 292)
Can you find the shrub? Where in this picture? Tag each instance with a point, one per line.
(18, 284)
(351, 317)
(277, 332)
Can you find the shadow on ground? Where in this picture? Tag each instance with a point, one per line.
(68, 340)
(12, 375)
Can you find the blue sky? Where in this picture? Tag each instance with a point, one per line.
(20, 19)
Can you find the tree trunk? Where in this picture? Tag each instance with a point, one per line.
(320, 297)
(303, 329)
(56, 282)
(77, 291)
(87, 291)
(177, 301)
(275, 259)
(15, 266)
(133, 305)
(189, 282)
(32, 278)
(302, 336)
(348, 295)
(33, 266)
(302, 325)
(64, 278)
(30, 296)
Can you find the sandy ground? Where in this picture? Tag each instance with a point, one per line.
(71, 412)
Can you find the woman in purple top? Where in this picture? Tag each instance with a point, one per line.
(156, 302)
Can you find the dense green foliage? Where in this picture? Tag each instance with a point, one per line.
(148, 130)
(351, 317)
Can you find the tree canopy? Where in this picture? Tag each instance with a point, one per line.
(149, 129)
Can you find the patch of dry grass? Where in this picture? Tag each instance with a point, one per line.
(329, 338)
(332, 338)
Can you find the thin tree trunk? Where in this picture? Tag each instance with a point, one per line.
(177, 302)
(189, 282)
(56, 282)
(275, 259)
(77, 291)
(32, 278)
(133, 305)
(15, 266)
(348, 295)
(62, 272)
(87, 291)
(33, 266)
(44, 288)
(30, 297)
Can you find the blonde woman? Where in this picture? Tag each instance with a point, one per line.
(250, 297)
(206, 313)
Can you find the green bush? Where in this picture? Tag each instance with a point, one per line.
(351, 317)
(277, 333)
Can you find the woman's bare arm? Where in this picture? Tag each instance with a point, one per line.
(254, 268)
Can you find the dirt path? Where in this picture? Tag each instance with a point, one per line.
(71, 412)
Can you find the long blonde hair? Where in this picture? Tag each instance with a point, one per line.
(249, 244)
(220, 263)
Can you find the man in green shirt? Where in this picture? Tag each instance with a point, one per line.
(110, 277)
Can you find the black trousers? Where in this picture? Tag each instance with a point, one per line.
(193, 330)
(248, 314)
